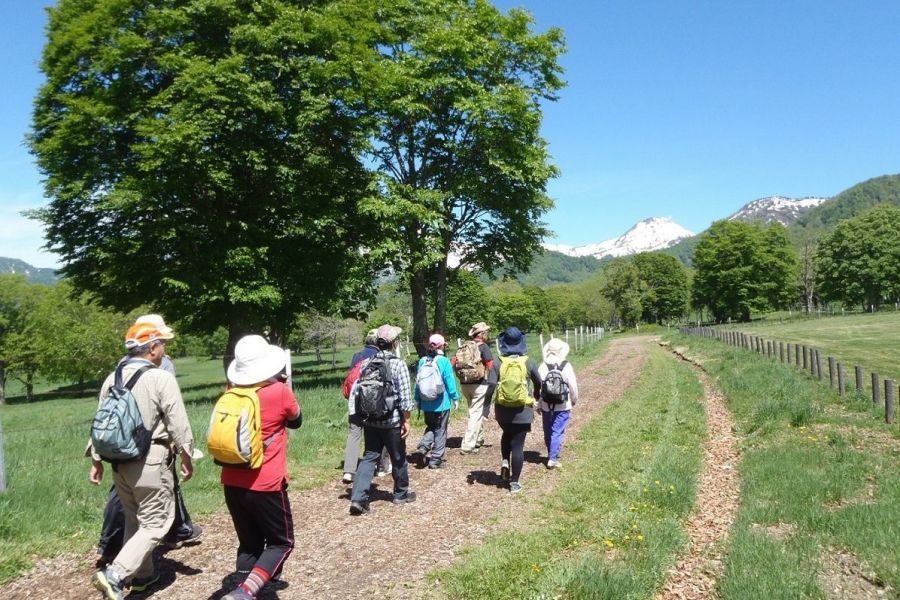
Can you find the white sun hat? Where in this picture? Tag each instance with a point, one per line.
(555, 351)
(255, 361)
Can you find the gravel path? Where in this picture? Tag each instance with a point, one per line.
(696, 573)
(454, 509)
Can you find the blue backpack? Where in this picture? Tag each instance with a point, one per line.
(117, 431)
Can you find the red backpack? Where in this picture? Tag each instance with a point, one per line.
(350, 379)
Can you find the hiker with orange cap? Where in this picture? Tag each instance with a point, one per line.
(435, 390)
(145, 484)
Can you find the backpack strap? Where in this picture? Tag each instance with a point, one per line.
(133, 380)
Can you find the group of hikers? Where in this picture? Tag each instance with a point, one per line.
(141, 428)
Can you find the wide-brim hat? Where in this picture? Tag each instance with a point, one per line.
(555, 351)
(512, 341)
(255, 361)
(437, 341)
(480, 327)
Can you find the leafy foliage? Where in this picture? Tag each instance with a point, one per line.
(625, 289)
(196, 158)
(451, 91)
(467, 304)
(859, 261)
(853, 201)
(743, 267)
(666, 282)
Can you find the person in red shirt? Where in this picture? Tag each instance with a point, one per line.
(257, 499)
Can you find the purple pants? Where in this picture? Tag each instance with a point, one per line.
(555, 423)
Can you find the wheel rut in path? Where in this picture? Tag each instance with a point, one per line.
(696, 573)
(385, 554)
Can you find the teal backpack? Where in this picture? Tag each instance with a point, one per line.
(117, 431)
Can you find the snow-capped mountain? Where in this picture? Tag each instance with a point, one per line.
(654, 233)
(776, 208)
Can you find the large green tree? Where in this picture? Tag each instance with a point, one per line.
(197, 158)
(452, 91)
(667, 290)
(744, 267)
(859, 261)
(625, 290)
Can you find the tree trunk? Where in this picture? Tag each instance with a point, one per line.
(420, 311)
(334, 351)
(2, 382)
(236, 330)
(440, 299)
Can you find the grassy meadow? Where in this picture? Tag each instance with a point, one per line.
(820, 486)
(871, 341)
(50, 507)
(614, 524)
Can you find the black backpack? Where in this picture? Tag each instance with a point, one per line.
(375, 397)
(554, 389)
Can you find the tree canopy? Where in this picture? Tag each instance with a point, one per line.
(197, 158)
(744, 267)
(667, 289)
(451, 90)
(859, 261)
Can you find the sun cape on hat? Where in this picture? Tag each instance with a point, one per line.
(146, 329)
(388, 333)
(555, 351)
(479, 327)
(255, 361)
(512, 341)
(437, 341)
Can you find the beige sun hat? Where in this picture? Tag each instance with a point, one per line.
(255, 361)
(555, 351)
(388, 333)
(479, 327)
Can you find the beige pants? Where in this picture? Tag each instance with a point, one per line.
(147, 491)
(478, 410)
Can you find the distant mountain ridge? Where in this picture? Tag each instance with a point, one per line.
(33, 274)
(776, 209)
(655, 233)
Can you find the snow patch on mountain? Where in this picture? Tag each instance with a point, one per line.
(776, 209)
(650, 234)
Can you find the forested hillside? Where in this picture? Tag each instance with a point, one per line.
(851, 202)
(34, 274)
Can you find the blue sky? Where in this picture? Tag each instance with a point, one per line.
(681, 109)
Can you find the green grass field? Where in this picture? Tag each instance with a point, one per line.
(50, 507)
(615, 523)
(867, 340)
(820, 487)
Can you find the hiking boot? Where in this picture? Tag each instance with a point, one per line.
(140, 584)
(437, 465)
(553, 464)
(238, 593)
(359, 508)
(409, 497)
(347, 478)
(385, 471)
(109, 583)
(504, 470)
(186, 540)
(469, 450)
(515, 487)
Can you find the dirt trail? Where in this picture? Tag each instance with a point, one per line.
(453, 509)
(718, 495)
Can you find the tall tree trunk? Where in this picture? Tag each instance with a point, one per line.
(236, 330)
(420, 311)
(29, 387)
(440, 298)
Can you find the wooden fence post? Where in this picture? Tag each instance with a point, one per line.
(781, 352)
(840, 374)
(797, 350)
(819, 373)
(876, 389)
(804, 356)
(831, 371)
(889, 400)
(859, 379)
(2, 462)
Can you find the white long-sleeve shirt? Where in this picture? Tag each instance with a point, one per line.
(568, 373)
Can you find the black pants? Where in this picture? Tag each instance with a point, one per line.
(375, 440)
(112, 533)
(512, 446)
(264, 525)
